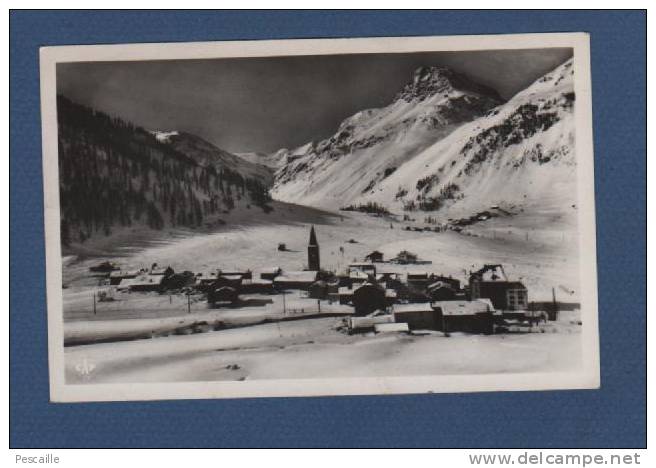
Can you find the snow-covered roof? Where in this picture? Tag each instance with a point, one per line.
(123, 273)
(417, 273)
(232, 277)
(358, 274)
(269, 270)
(439, 284)
(391, 327)
(487, 302)
(367, 285)
(409, 308)
(257, 281)
(454, 308)
(301, 276)
(370, 321)
(201, 277)
(387, 269)
(143, 280)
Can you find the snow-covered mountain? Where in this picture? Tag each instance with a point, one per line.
(370, 145)
(264, 159)
(115, 177)
(520, 153)
(206, 154)
(445, 144)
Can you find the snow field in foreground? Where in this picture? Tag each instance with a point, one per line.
(314, 348)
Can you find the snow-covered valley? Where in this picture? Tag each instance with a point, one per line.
(166, 343)
(448, 171)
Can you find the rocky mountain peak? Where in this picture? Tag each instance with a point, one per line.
(428, 81)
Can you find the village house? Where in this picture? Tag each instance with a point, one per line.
(157, 270)
(256, 286)
(115, 277)
(417, 316)
(205, 280)
(465, 316)
(447, 316)
(450, 280)
(333, 285)
(491, 282)
(387, 276)
(179, 280)
(391, 275)
(318, 290)
(367, 324)
(244, 274)
(357, 277)
(391, 328)
(223, 295)
(516, 297)
(374, 257)
(364, 267)
(333, 290)
(390, 296)
(418, 279)
(345, 294)
(440, 291)
(144, 282)
(404, 257)
(295, 280)
(269, 273)
(343, 280)
(233, 281)
(368, 298)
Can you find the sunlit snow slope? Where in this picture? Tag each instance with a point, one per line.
(455, 150)
(370, 145)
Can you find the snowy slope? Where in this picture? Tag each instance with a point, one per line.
(520, 153)
(119, 180)
(372, 144)
(206, 154)
(271, 161)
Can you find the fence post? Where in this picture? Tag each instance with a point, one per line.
(188, 303)
(94, 303)
(555, 303)
(284, 304)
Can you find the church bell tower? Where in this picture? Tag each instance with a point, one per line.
(313, 252)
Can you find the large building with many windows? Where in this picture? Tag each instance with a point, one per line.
(491, 282)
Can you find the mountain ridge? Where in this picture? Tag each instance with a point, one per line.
(114, 175)
(462, 161)
(429, 107)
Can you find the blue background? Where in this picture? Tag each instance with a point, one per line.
(614, 416)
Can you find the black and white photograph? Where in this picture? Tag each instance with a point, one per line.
(319, 217)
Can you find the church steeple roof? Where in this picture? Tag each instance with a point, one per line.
(313, 237)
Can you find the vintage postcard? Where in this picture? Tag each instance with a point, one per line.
(319, 217)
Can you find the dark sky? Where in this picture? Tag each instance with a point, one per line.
(263, 104)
